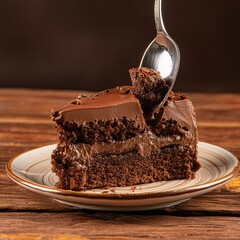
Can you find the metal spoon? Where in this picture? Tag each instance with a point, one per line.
(162, 55)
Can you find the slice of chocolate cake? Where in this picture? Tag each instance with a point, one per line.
(105, 141)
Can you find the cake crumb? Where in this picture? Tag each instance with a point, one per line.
(105, 191)
(77, 102)
(178, 138)
(133, 188)
(112, 190)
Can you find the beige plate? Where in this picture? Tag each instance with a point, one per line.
(32, 170)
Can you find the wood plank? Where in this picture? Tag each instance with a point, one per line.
(40, 237)
(16, 198)
(110, 225)
(38, 93)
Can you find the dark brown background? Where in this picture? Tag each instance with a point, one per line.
(83, 44)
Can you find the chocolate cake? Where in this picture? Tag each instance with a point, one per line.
(119, 137)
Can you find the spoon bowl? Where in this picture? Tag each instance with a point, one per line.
(162, 55)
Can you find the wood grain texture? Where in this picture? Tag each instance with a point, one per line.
(25, 124)
(98, 225)
(19, 236)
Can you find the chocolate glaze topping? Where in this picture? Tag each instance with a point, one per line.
(113, 103)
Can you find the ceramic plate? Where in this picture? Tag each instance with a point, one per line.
(32, 170)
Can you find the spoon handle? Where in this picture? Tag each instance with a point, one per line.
(158, 17)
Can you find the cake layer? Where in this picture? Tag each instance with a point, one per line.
(111, 115)
(125, 169)
(99, 131)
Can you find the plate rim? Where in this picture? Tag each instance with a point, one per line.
(122, 196)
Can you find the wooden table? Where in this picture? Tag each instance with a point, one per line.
(25, 124)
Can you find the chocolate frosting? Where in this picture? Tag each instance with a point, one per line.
(114, 103)
(183, 112)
